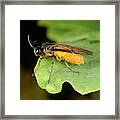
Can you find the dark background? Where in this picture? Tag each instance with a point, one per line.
(29, 90)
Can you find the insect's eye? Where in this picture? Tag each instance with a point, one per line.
(37, 51)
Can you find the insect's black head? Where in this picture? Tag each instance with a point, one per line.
(38, 51)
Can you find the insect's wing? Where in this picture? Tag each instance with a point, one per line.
(71, 49)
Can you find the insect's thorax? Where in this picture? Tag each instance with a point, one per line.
(48, 50)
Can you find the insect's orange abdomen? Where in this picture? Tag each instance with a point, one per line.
(69, 57)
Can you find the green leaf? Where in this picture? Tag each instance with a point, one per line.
(71, 36)
(71, 30)
(71, 24)
(86, 81)
(81, 33)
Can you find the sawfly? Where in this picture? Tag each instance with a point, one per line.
(61, 52)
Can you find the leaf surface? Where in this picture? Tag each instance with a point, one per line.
(88, 78)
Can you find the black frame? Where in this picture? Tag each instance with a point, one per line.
(80, 2)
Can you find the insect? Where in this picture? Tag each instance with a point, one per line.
(61, 52)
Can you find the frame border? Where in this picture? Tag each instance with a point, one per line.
(55, 2)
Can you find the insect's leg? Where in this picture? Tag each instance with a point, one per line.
(71, 68)
(51, 70)
(40, 59)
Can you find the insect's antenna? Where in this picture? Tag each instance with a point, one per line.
(29, 41)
